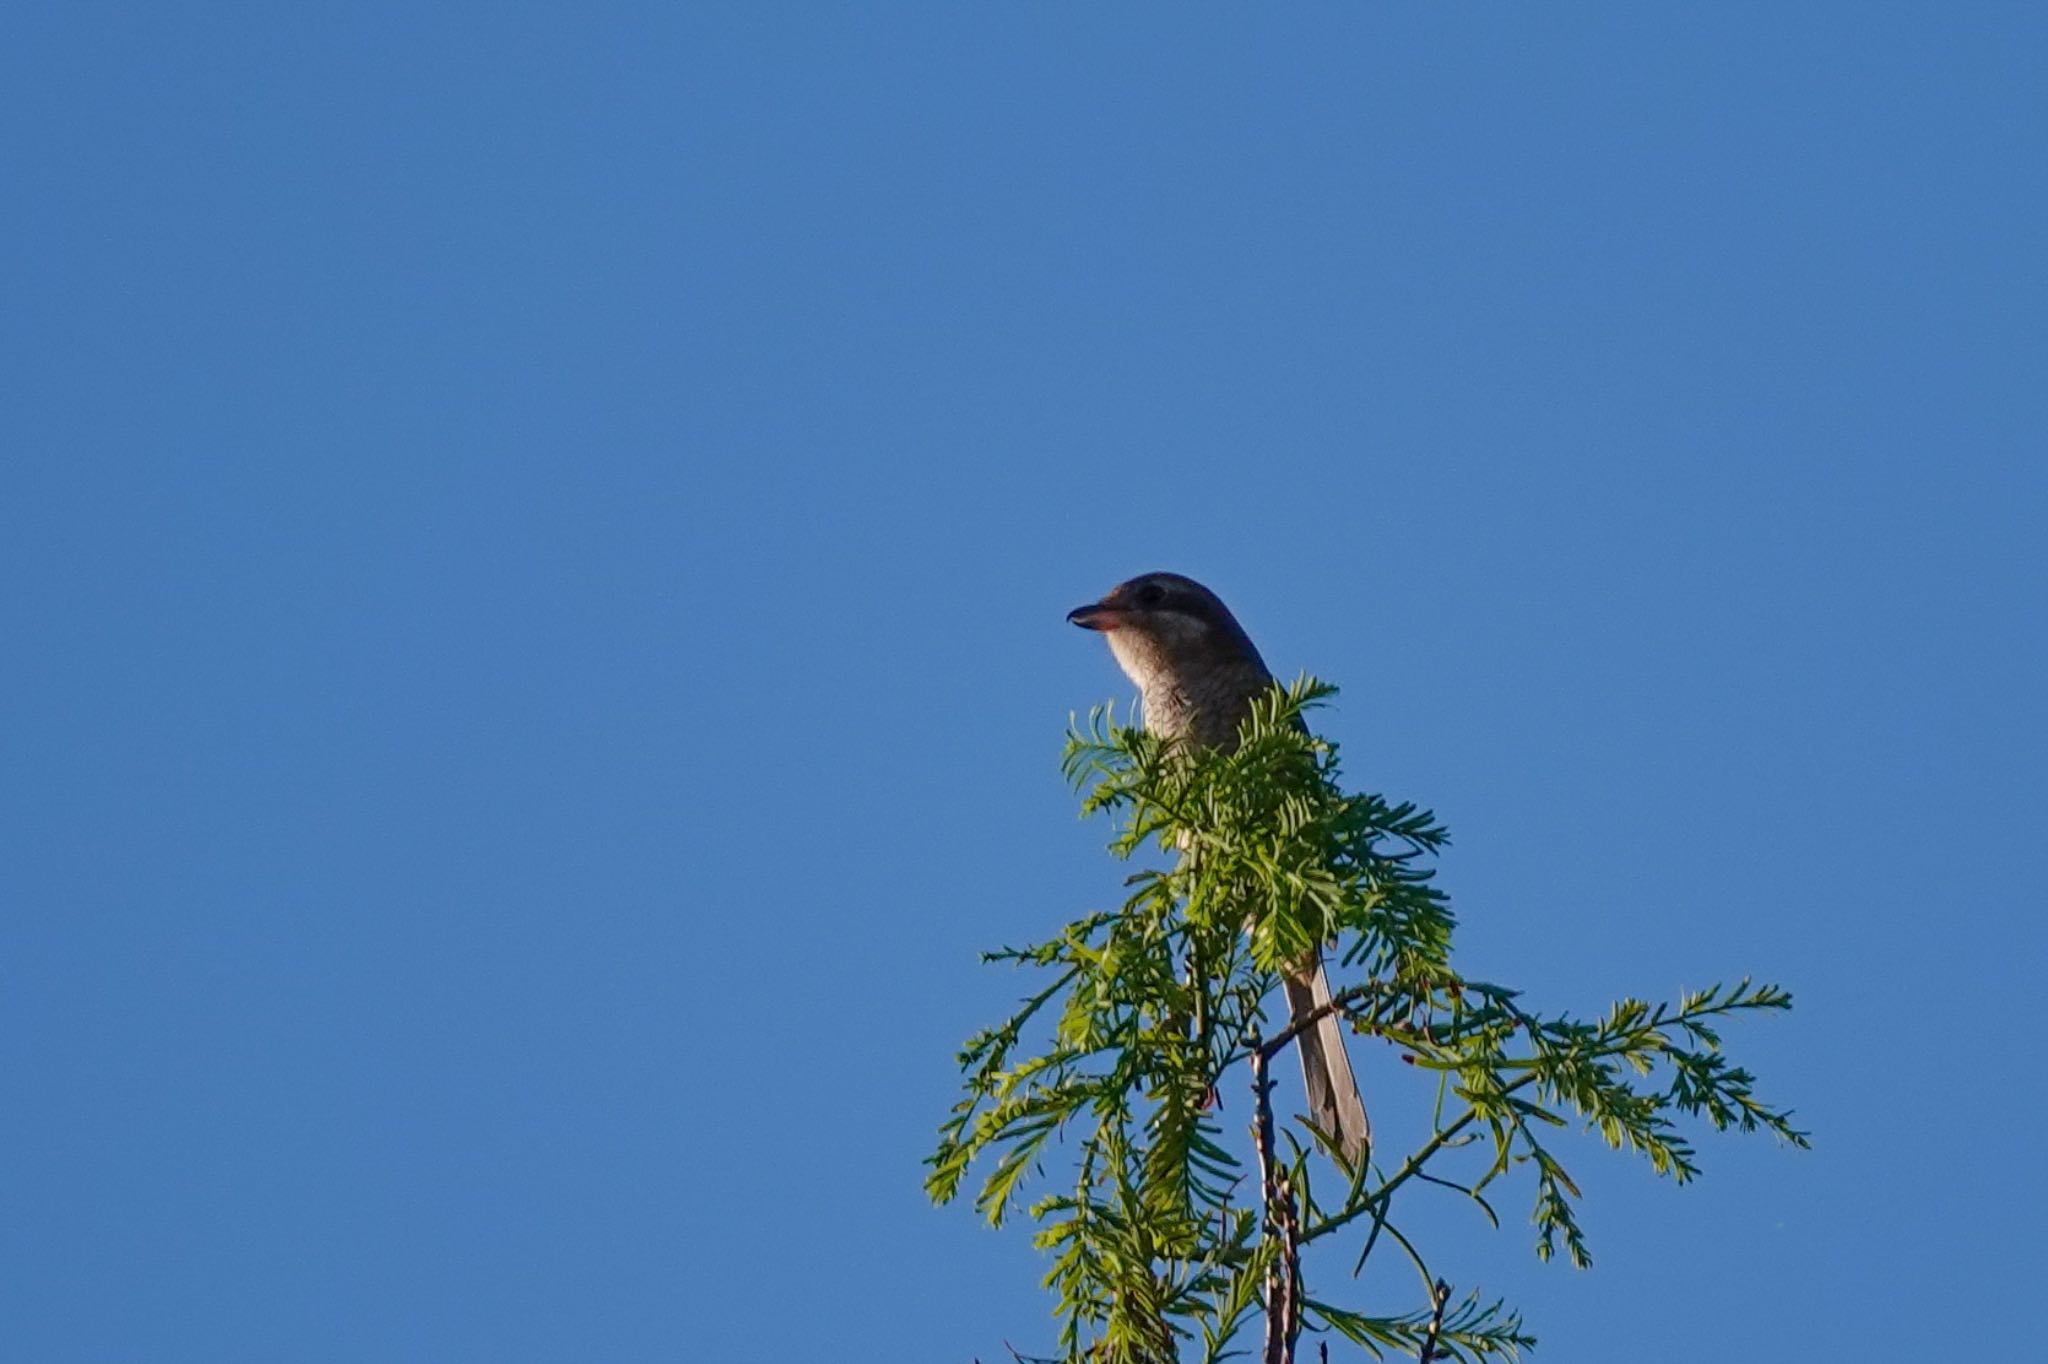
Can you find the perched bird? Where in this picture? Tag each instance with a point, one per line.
(1198, 673)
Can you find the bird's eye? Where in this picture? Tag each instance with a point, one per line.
(1151, 594)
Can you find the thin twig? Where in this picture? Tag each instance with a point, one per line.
(1336, 1003)
(1442, 1293)
(1283, 1277)
(1406, 1172)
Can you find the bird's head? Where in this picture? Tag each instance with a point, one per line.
(1163, 627)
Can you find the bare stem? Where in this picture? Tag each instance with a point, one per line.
(1337, 1003)
(1441, 1292)
(1283, 1276)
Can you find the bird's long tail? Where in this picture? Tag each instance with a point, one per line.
(1334, 1103)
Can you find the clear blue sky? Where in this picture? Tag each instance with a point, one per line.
(535, 542)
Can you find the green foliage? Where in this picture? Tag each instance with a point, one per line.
(1168, 1235)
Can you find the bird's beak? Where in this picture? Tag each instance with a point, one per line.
(1096, 616)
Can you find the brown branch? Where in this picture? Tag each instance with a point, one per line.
(1337, 1003)
(1441, 1292)
(1283, 1276)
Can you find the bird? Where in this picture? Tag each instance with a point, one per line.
(1198, 673)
